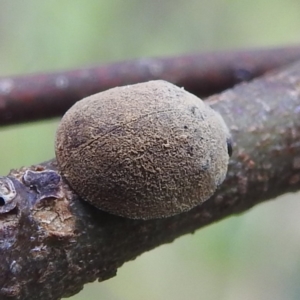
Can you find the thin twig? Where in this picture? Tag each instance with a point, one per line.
(40, 96)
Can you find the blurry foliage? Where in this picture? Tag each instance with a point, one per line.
(253, 256)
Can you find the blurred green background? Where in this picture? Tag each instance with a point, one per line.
(252, 256)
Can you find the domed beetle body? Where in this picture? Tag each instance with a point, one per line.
(143, 151)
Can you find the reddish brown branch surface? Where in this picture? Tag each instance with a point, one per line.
(52, 242)
(40, 96)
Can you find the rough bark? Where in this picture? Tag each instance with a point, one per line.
(52, 242)
(40, 96)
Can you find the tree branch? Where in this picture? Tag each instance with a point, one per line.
(51, 242)
(40, 96)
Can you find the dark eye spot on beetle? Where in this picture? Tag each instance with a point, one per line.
(229, 147)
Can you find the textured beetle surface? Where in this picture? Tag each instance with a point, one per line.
(148, 150)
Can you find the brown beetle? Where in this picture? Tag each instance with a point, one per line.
(143, 151)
